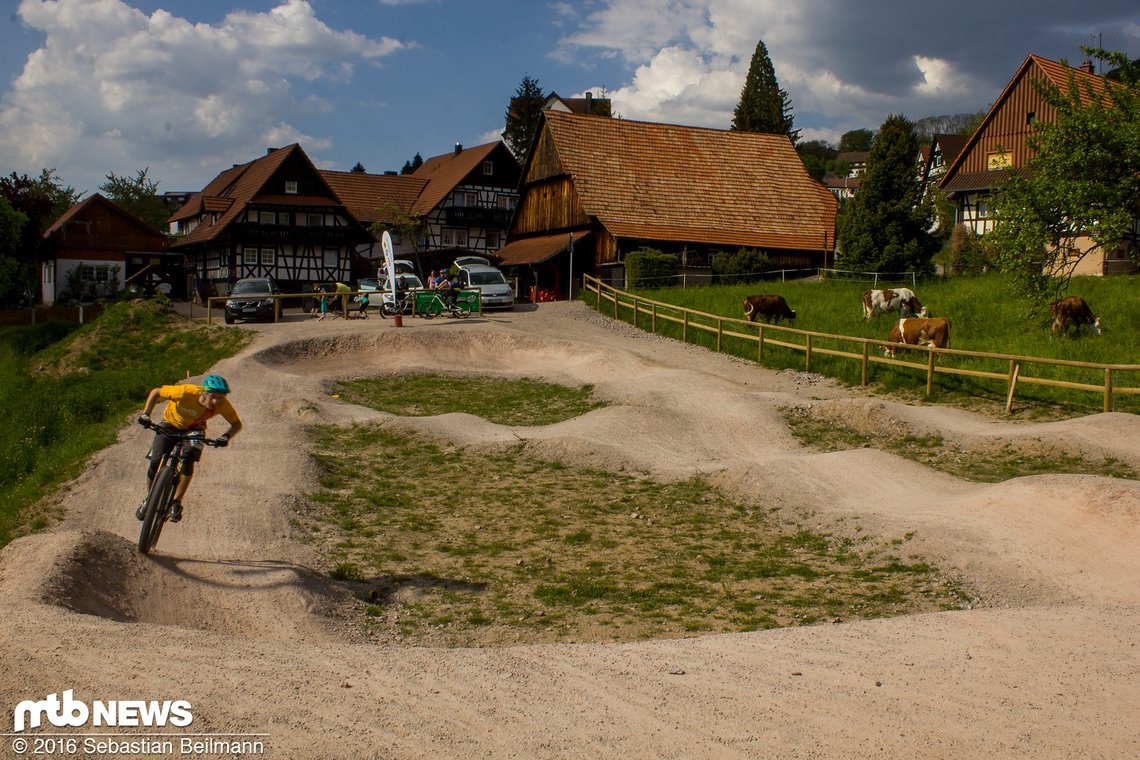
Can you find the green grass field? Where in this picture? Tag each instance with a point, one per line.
(984, 316)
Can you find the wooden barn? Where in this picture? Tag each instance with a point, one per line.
(100, 249)
(595, 189)
(275, 217)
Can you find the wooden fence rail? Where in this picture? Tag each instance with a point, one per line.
(763, 334)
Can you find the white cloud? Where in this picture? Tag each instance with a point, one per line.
(113, 89)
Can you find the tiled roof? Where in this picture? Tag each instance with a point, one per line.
(535, 250)
(671, 182)
(372, 197)
(79, 208)
(444, 172)
(951, 145)
(965, 182)
(240, 186)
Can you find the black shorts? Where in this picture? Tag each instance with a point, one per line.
(161, 446)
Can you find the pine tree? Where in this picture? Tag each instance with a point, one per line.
(523, 114)
(358, 169)
(763, 106)
(885, 227)
(411, 166)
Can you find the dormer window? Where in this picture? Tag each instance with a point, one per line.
(290, 187)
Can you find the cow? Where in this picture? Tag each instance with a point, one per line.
(768, 306)
(902, 300)
(919, 331)
(1072, 310)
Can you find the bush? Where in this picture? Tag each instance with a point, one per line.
(965, 253)
(746, 265)
(650, 268)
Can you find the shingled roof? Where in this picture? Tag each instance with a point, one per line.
(443, 173)
(669, 182)
(375, 198)
(231, 191)
(97, 199)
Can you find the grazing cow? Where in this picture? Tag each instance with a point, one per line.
(768, 306)
(1072, 310)
(902, 300)
(918, 331)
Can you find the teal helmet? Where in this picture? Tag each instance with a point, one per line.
(215, 384)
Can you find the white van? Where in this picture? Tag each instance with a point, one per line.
(497, 292)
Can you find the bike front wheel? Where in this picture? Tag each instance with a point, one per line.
(157, 506)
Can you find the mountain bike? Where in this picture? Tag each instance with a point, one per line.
(437, 304)
(160, 498)
(403, 305)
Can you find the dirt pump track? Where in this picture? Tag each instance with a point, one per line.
(230, 615)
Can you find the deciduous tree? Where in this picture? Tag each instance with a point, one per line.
(40, 200)
(137, 195)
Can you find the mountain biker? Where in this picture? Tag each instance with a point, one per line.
(189, 407)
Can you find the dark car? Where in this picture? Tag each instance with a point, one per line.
(245, 301)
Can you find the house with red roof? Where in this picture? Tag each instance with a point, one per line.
(999, 146)
(275, 216)
(101, 248)
(595, 189)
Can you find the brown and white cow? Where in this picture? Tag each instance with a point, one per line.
(1072, 310)
(770, 307)
(919, 331)
(901, 300)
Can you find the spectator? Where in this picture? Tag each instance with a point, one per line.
(343, 290)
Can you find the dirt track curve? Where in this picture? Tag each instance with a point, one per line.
(229, 615)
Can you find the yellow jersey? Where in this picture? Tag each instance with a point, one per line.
(185, 411)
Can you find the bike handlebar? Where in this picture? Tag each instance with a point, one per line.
(183, 435)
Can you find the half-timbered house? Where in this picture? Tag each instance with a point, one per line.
(100, 248)
(999, 146)
(595, 189)
(275, 217)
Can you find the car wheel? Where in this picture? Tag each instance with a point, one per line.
(229, 319)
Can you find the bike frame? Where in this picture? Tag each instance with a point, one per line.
(160, 498)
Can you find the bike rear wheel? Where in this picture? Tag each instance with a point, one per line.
(388, 310)
(461, 310)
(157, 505)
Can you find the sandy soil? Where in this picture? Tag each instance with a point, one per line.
(229, 615)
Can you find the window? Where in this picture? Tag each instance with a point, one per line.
(268, 257)
(492, 239)
(488, 168)
(461, 238)
(291, 186)
(90, 273)
(448, 238)
(472, 199)
(249, 256)
(267, 217)
(506, 202)
(315, 220)
(998, 159)
(331, 257)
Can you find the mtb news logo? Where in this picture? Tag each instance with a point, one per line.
(73, 713)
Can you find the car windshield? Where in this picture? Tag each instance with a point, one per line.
(488, 278)
(405, 282)
(248, 287)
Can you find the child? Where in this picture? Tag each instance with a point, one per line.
(324, 307)
(362, 312)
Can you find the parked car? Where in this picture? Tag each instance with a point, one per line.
(403, 282)
(466, 261)
(496, 291)
(244, 301)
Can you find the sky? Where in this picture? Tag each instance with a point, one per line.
(187, 89)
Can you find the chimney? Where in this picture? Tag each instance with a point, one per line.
(1086, 67)
(458, 148)
(589, 102)
(390, 173)
(270, 150)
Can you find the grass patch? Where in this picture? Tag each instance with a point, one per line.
(984, 464)
(500, 400)
(983, 318)
(498, 547)
(65, 390)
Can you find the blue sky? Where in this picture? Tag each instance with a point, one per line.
(190, 88)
